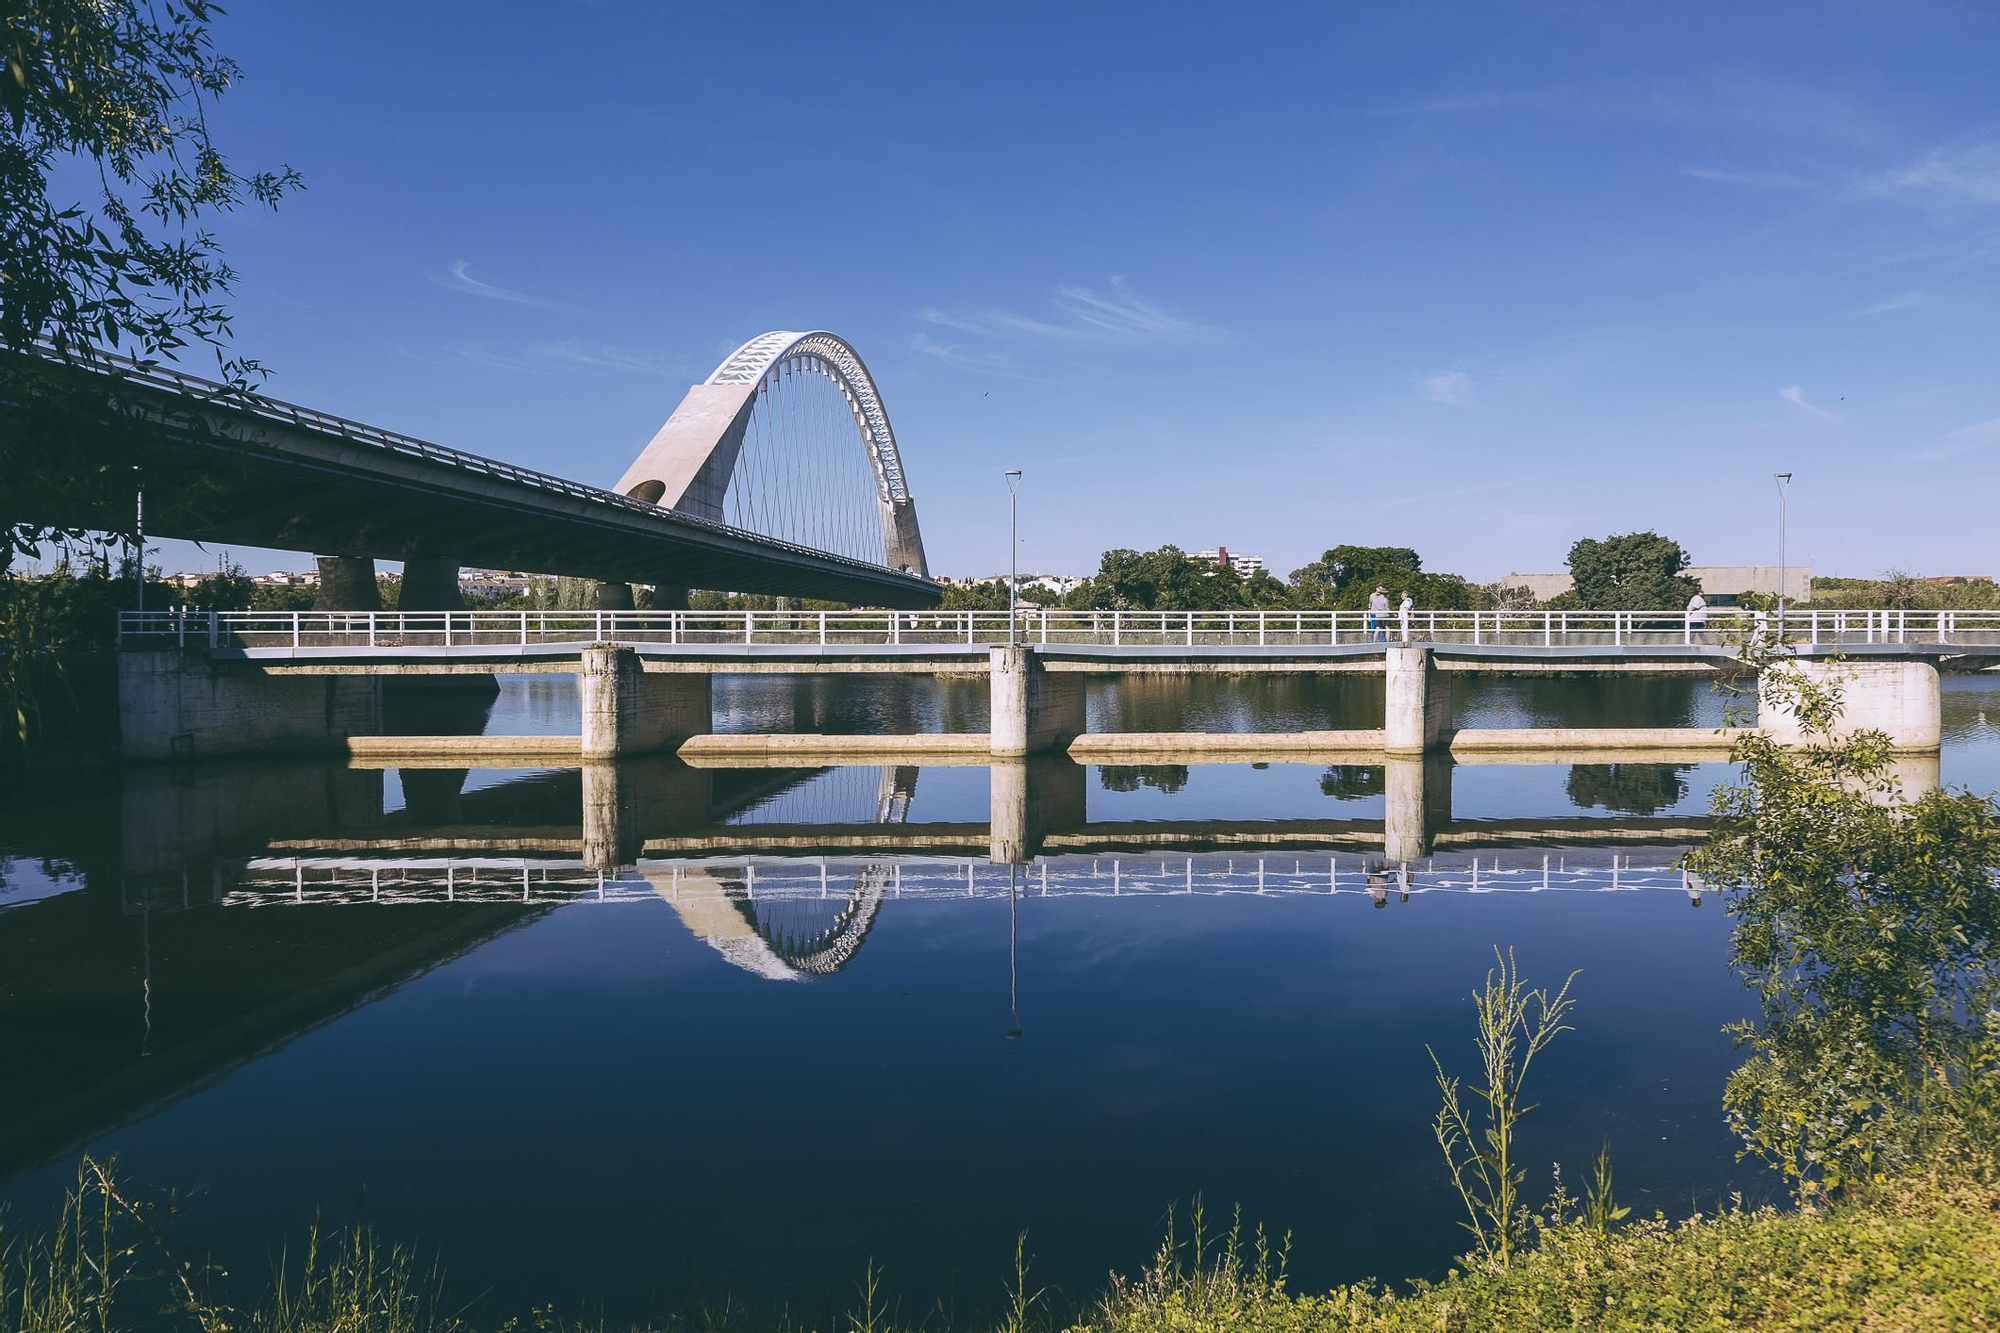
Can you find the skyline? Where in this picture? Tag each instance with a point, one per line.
(1477, 283)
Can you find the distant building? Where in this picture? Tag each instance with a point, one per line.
(1721, 585)
(492, 583)
(1246, 565)
(1059, 584)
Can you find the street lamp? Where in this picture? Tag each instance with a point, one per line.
(1784, 480)
(1013, 476)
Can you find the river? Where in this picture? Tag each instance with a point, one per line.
(750, 1070)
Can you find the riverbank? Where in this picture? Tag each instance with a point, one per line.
(1913, 1256)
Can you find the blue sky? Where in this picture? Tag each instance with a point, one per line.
(1479, 279)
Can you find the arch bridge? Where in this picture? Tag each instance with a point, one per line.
(778, 474)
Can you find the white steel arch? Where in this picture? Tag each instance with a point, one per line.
(690, 461)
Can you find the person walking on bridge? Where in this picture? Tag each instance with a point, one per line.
(1404, 612)
(1697, 616)
(1378, 611)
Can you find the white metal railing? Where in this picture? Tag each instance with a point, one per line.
(330, 881)
(966, 630)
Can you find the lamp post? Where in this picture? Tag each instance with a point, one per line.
(1013, 551)
(1784, 480)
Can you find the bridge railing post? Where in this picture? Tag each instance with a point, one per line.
(215, 632)
(1190, 629)
(1262, 619)
(295, 630)
(822, 629)
(749, 627)
(1117, 628)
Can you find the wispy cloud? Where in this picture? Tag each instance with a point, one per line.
(1453, 388)
(1796, 396)
(1773, 180)
(1964, 440)
(1909, 300)
(1969, 174)
(602, 356)
(458, 277)
(1081, 314)
(960, 358)
(554, 358)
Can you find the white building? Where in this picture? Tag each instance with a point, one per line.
(1246, 565)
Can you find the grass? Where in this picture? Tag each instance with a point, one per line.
(1916, 1255)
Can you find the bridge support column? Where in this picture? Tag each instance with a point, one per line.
(347, 583)
(175, 706)
(1902, 699)
(1030, 799)
(1416, 702)
(1031, 710)
(668, 597)
(1416, 803)
(626, 710)
(430, 583)
(615, 597)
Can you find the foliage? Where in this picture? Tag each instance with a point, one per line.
(1169, 580)
(1630, 789)
(1637, 571)
(1897, 590)
(1516, 1024)
(1131, 777)
(1344, 577)
(1923, 1257)
(123, 90)
(1868, 925)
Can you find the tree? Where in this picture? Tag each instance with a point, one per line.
(1638, 571)
(123, 90)
(1344, 577)
(1867, 924)
(1164, 580)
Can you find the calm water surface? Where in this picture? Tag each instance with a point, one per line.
(734, 1070)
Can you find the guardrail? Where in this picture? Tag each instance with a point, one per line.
(341, 881)
(489, 630)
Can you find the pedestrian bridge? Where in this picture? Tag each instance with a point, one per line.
(250, 682)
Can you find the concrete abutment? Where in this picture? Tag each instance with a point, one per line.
(177, 706)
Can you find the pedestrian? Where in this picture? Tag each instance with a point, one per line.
(1378, 610)
(1697, 615)
(1404, 611)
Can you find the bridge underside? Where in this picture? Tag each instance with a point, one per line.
(218, 473)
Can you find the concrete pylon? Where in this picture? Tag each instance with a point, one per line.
(347, 583)
(668, 597)
(615, 597)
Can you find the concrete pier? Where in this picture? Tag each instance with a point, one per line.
(1030, 799)
(1031, 710)
(1899, 698)
(347, 583)
(1416, 804)
(174, 706)
(1416, 702)
(627, 710)
(430, 583)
